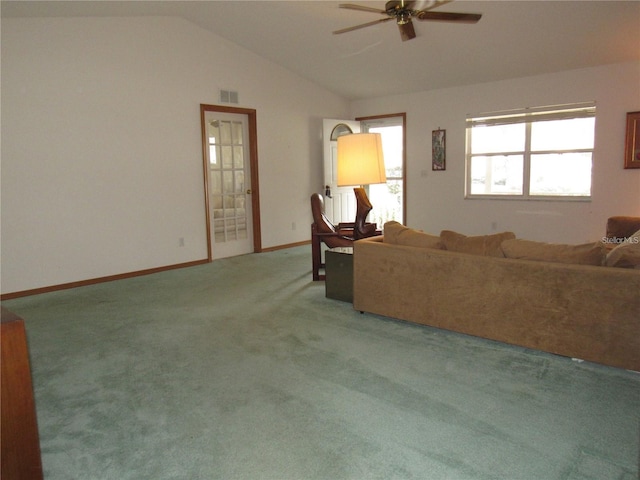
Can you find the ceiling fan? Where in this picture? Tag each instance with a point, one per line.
(402, 11)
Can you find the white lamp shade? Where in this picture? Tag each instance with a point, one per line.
(360, 159)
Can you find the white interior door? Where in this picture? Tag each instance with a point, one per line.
(229, 184)
(340, 206)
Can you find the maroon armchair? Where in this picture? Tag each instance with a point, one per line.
(621, 227)
(323, 231)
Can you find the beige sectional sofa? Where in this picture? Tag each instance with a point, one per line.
(566, 306)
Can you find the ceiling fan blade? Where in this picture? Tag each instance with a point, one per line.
(448, 17)
(407, 32)
(362, 8)
(425, 5)
(357, 27)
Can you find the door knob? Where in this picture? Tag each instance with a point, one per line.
(248, 191)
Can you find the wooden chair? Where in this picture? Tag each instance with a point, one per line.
(323, 231)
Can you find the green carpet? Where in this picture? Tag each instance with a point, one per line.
(242, 369)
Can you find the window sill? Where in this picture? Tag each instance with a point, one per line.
(537, 198)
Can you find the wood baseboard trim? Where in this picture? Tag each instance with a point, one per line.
(288, 245)
(122, 276)
(93, 281)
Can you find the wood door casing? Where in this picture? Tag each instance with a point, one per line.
(253, 160)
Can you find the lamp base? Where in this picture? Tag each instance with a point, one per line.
(363, 206)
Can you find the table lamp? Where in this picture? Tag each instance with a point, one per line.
(360, 163)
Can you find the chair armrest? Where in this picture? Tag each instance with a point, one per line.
(337, 234)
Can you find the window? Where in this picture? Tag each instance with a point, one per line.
(538, 153)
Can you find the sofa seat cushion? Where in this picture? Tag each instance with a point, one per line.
(398, 234)
(487, 245)
(626, 254)
(584, 254)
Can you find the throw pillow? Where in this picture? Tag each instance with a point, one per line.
(584, 254)
(487, 245)
(627, 254)
(399, 234)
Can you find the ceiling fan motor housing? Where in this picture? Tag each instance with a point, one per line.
(401, 10)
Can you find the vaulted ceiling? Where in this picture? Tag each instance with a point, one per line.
(513, 38)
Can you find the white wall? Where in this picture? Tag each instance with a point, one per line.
(101, 157)
(435, 199)
(101, 148)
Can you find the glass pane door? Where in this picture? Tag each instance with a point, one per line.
(229, 184)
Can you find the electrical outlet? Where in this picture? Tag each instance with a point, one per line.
(494, 226)
(293, 225)
(181, 242)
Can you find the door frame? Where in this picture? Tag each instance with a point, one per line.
(253, 165)
(402, 115)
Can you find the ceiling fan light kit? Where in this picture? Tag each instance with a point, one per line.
(402, 11)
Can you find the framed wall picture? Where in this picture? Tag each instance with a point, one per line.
(438, 150)
(632, 143)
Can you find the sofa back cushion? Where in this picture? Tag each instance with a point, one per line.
(584, 254)
(487, 245)
(399, 234)
(627, 254)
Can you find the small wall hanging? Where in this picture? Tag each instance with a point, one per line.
(632, 143)
(438, 149)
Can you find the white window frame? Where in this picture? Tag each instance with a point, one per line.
(526, 116)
